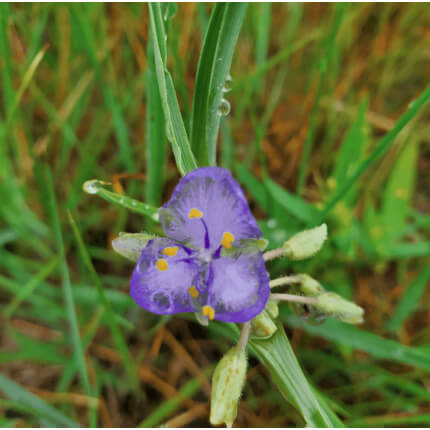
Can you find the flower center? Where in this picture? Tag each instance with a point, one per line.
(204, 255)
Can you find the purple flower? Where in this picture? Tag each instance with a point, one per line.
(205, 264)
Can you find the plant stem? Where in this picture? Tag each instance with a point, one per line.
(244, 335)
(294, 298)
(274, 253)
(285, 280)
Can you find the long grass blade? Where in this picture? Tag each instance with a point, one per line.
(278, 357)
(40, 408)
(175, 128)
(116, 332)
(155, 135)
(375, 345)
(212, 72)
(66, 284)
(410, 300)
(381, 148)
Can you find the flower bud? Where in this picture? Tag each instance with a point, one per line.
(263, 325)
(306, 243)
(227, 383)
(130, 245)
(309, 286)
(272, 308)
(334, 305)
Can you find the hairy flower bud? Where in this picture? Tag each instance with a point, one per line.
(227, 383)
(306, 243)
(334, 305)
(309, 286)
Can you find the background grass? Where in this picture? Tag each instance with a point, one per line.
(315, 90)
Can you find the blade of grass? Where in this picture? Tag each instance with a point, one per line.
(116, 332)
(351, 150)
(29, 287)
(16, 393)
(212, 71)
(381, 148)
(175, 129)
(323, 70)
(66, 284)
(155, 135)
(172, 405)
(293, 204)
(84, 27)
(398, 194)
(410, 300)
(353, 337)
(278, 356)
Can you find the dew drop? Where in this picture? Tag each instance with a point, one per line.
(92, 186)
(227, 84)
(133, 203)
(224, 107)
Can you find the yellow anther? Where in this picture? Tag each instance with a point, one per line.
(195, 213)
(170, 251)
(227, 239)
(162, 264)
(208, 311)
(193, 292)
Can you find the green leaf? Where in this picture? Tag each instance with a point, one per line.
(380, 149)
(351, 151)
(111, 320)
(212, 71)
(176, 132)
(398, 193)
(410, 300)
(293, 204)
(155, 137)
(16, 393)
(66, 283)
(278, 357)
(324, 64)
(130, 245)
(377, 346)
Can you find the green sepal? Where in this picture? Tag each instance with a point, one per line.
(130, 245)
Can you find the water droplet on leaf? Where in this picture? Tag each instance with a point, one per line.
(92, 186)
(224, 107)
(227, 84)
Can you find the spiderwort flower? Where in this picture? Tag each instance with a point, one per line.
(205, 264)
